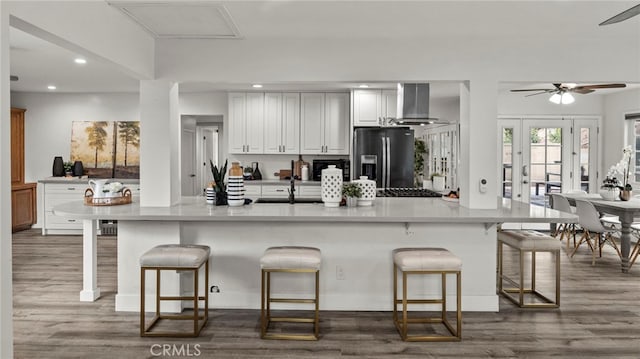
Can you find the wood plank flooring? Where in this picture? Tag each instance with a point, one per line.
(599, 317)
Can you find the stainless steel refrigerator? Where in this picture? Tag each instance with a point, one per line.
(385, 155)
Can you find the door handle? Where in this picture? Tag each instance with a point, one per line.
(525, 182)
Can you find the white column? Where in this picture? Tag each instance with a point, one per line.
(90, 290)
(159, 143)
(6, 307)
(478, 148)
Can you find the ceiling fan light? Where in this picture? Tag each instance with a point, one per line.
(555, 98)
(567, 98)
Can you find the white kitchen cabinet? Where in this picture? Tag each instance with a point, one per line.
(370, 105)
(275, 191)
(246, 122)
(324, 123)
(252, 191)
(282, 123)
(309, 191)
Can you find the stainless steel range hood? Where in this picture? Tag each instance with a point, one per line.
(413, 106)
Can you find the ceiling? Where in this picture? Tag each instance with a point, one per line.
(38, 63)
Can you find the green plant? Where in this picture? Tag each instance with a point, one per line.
(218, 176)
(419, 149)
(68, 167)
(351, 190)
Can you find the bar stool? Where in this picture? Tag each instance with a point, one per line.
(421, 261)
(528, 242)
(175, 257)
(288, 260)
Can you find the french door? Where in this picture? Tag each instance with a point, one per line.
(539, 156)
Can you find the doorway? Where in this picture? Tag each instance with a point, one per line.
(539, 156)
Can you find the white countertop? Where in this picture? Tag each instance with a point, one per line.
(85, 180)
(400, 210)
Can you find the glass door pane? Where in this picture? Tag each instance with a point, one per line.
(585, 146)
(507, 162)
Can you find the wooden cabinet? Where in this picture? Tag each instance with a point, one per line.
(246, 122)
(282, 123)
(23, 195)
(23, 206)
(324, 123)
(370, 105)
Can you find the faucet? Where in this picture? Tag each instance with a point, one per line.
(292, 197)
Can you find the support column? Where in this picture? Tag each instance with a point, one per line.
(478, 148)
(159, 143)
(6, 307)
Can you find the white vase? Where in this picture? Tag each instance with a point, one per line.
(609, 194)
(368, 188)
(331, 185)
(438, 183)
(352, 201)
(210, 195)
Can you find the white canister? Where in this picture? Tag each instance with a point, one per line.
(331, 186)
(368, 188)
(438, 183)
(305, 173)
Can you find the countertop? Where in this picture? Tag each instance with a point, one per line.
(85, 180)
(281, 182)
(400, 210)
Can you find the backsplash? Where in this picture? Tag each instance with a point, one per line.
(270, 164)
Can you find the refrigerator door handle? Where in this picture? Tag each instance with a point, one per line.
(388, 168)
(383, 170)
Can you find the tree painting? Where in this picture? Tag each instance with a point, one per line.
(97, 138)
(129, 133)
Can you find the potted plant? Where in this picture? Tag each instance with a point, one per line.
(68, 169)
(351, 191)
(611, 187)
(438, 181)
(219, 187)
(419, 149)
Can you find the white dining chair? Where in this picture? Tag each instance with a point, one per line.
(561, 203)
(595, 234)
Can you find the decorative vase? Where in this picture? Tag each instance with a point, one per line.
(257, 175)
(221, 198)
(368, 188)
(78, 169)
(438, 183)
(235, 186)
(210, 195)
(609, 194)
(331, 186)
(625, 195)
(58, 166)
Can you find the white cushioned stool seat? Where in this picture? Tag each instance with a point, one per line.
(416, 259)
(529, 240)
(175, 255)
(290, 257)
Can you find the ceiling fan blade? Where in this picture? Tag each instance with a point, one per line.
(629, 13)
(582, 91)
(601, 86)
(522, 90)
(540, 93)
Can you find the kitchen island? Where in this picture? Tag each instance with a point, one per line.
(356, 244)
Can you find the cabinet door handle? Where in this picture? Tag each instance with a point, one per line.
(71, 220)
(71, 188)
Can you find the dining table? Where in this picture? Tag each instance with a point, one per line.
(626, 212)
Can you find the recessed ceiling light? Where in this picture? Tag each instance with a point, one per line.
(51, 87)
(364, 86)
(80, 61)
(257, 86)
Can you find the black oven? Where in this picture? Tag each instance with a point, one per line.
(319, 165)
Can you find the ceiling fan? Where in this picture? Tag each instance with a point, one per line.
(629, 13)
(561, 93)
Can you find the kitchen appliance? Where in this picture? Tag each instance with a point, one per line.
(385, 155)
(413, 106)
(319, 165)
(407, 192)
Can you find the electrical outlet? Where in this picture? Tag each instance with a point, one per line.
(339, 273)
(214, 289)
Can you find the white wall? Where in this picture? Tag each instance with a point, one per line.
(614, 127)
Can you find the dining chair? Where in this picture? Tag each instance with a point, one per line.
(590, 222)
(561, 203)
(635, 229)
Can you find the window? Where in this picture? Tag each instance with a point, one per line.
(635, 117)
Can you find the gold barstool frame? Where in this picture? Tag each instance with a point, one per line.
(199, 321)
(402, 325)
(519, 287)
(265, 307)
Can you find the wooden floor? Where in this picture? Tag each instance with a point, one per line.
(599, 317)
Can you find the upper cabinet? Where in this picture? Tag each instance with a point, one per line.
(324, 123)
(282, 123)
(370, 105)
(246, 122)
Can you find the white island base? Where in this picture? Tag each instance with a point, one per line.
(356, 272)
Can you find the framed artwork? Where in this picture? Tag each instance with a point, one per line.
(107, 149)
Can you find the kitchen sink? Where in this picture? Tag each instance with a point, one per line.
(286, 200)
